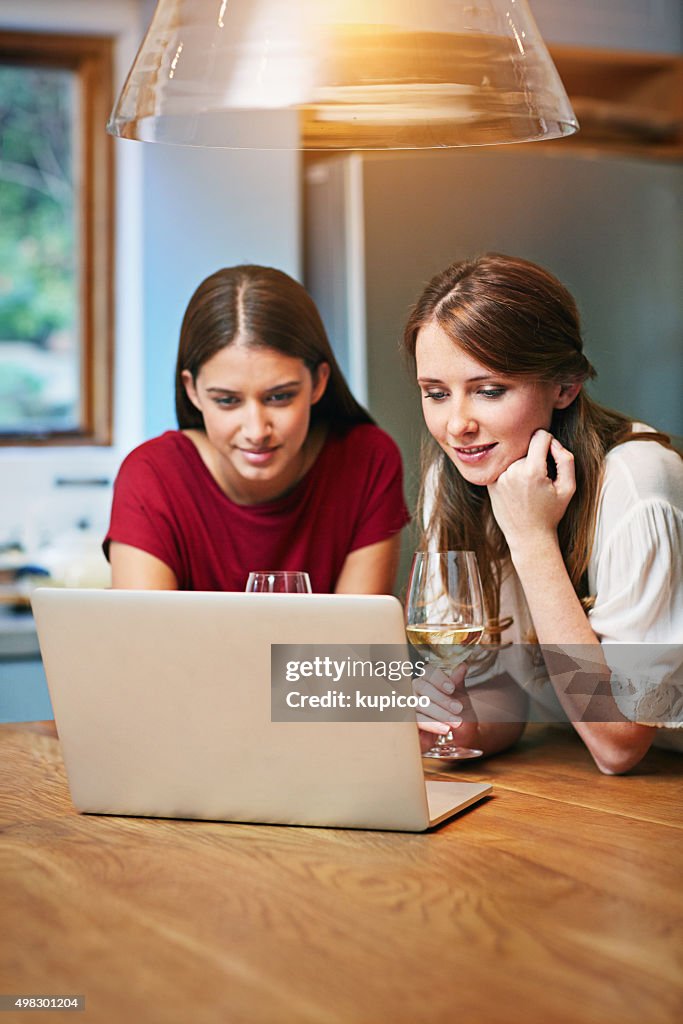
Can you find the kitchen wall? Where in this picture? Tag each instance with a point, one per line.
(652, 26)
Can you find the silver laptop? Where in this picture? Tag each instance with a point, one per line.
(162, 701)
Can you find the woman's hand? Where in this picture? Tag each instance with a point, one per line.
(526, 503)
(449, 705)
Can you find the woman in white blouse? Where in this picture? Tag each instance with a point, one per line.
(574, 511)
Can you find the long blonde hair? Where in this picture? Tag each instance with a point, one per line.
(516, 319)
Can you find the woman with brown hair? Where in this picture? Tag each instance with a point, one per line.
(274, 465)
(574, 511)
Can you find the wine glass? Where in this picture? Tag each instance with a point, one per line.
(278, 581)
(444, 619)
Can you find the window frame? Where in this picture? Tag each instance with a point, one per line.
(91, 59)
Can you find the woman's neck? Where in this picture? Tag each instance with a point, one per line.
(255, 492)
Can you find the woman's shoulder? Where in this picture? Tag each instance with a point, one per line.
(368, 433)
(170, 443)
(641, 498)
(644, 470)
(365, 441)
(158, 456)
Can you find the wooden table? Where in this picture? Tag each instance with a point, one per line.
(556, 901)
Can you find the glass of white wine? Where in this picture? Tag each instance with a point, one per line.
(279, 581)
(444, 619)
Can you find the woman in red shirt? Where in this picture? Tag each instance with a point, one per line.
(275, 464)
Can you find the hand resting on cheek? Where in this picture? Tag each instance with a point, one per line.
(525, 501)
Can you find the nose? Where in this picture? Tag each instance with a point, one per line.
(256, 426)
(461, 422)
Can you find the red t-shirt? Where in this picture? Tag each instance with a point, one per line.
(167, 503)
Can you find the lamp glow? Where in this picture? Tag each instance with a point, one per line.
(381, 74)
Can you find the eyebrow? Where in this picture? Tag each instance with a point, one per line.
(469, 380)
(268, 391)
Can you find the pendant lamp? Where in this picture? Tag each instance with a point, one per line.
(356, 74)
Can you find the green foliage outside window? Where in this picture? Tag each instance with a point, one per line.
(39, 342)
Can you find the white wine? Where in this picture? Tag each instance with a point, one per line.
(449, 642)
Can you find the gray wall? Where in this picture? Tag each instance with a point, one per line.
(653, 26)
(606, 227)
(204, 209)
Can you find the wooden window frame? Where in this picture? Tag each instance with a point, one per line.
(91, 60)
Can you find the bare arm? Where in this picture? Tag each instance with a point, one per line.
(616, 744)
(369, 570)
(134, 569)
(528, 507)
(372, 569)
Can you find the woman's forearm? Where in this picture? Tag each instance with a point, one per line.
(133, 569)
(556, 611)
(615, 743)
(491, 715)
(489, 737)
(372, 569)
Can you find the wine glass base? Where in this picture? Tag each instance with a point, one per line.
(451, 752)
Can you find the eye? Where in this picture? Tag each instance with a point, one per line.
(226, 401)
(435, 394)
(281, 397)
(492, 392)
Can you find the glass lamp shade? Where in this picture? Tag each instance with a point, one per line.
(356, 74)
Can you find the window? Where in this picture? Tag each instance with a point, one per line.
(56, 246)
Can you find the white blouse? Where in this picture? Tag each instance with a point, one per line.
(636, 574)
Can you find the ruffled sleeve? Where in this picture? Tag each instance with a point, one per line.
(638, 613)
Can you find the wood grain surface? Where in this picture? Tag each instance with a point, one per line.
(558, 900)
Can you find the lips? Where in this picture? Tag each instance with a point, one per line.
(258, 456)
(474, 453)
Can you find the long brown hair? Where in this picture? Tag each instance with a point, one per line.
(518, 320)
(265, 308)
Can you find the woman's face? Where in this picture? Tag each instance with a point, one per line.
(256, 404)
(483, 420)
